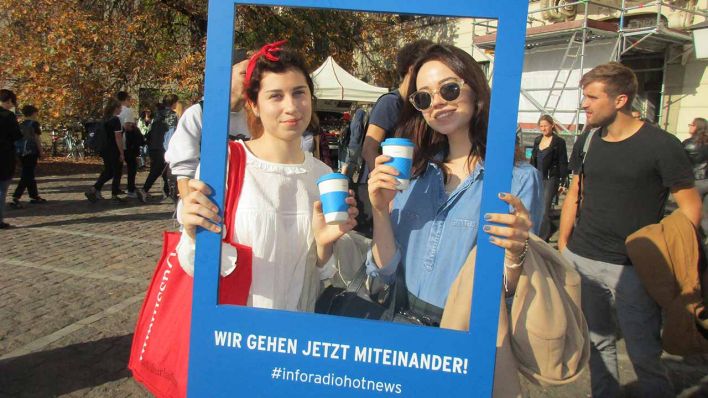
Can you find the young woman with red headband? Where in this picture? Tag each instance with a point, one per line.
(279, 214)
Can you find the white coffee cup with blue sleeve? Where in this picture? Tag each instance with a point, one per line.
(334, 190)
(400, 150)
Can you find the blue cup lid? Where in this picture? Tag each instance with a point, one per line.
(332, 176)
(398, 142)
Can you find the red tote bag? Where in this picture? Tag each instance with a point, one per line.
(159, 355)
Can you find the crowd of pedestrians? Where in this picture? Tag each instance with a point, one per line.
(18, 141)
(620, 175)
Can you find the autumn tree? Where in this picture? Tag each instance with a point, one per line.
(67, 56)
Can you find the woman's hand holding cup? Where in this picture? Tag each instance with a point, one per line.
(335, 213)
(382, 184)
(392, 172)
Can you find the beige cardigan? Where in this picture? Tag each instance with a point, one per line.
(547, 338)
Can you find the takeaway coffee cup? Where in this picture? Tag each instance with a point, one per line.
(334, 190)
(400, 150)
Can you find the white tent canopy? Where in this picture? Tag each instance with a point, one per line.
(334, 83)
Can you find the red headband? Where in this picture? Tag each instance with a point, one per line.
(269, 52)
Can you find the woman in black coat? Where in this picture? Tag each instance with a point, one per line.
(697, 149)
(550, 157)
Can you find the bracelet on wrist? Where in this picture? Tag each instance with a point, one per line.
(516, 264)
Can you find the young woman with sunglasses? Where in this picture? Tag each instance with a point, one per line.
(279, 214)
(431, 227)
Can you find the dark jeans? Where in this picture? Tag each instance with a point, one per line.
(611, 289)
(702, 187)
(131, 160)
(550, 190)
(27, 180)
(4, 185)
(112, 169)
(157, 169)
(172, 191)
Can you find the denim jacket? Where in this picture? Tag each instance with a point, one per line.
(434, 231)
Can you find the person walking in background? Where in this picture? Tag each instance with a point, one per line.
(179, 107)
(132, 139)
(144, 123)
(9, 133)
(550, 157)
(30, 151)
(168, 117)
(627, 173)
(165, 121)
(697, 149)
(112, 154)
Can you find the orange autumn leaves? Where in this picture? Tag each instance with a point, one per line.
(67, 56)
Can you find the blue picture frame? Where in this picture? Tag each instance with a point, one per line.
(243, 362)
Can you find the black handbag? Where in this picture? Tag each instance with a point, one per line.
(356, 301)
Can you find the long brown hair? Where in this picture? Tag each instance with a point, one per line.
(428, 142)
(549, 120)
(701, 131)
(109, 109)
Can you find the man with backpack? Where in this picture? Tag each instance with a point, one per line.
(164, 123)
(623, 177)
(29, 149)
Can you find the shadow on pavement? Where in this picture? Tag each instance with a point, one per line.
(79, 207)
(48, 179)
(106, 219)
(64, 370)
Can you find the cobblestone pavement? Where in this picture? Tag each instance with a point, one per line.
(72, 278)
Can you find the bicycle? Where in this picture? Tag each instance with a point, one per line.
(74, 146)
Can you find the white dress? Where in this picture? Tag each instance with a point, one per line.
(274, 217)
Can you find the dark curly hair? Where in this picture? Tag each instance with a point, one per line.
(701, 130)
(29, 110)
(407, 56)
(8, 95)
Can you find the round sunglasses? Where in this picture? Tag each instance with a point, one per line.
(423, 99)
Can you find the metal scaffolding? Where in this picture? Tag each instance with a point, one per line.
(654, 37)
